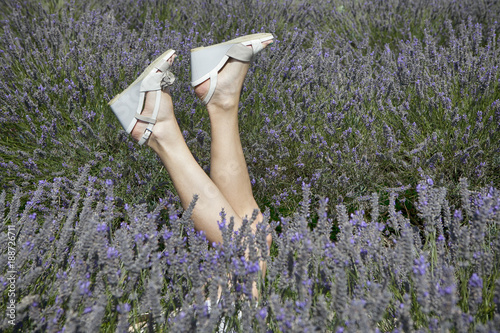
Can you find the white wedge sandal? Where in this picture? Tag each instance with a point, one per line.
(129, 104)
(206, 62)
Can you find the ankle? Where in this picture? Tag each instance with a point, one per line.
(227, 105)
(227, 101)
(165, 133)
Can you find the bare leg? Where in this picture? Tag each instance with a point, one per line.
(228, 166)
(188, 177)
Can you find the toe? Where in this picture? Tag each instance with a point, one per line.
(267, 42)
(264, 45)
(171, 59)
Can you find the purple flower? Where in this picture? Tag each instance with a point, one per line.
(420, 266)
(84, 288)
(102, 227)
(123, 308)
(458, 215)
(421, 187)
(262, 313)
(112, 252)
(475, 281)
(447, 290)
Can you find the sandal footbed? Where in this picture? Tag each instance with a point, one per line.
(260, 36)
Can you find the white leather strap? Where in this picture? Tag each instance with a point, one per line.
(145, 119)
(140, 105)
(256, 46)
(164, 66)
(145, 136)
(240, 52)
(157, 105)
(213, 84)
(151, 120)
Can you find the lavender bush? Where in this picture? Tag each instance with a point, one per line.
(371, 131)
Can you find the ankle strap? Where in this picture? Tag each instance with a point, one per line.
(151, 120)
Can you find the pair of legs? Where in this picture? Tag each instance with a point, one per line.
(228, 187)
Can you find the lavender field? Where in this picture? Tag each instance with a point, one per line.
(371, 131)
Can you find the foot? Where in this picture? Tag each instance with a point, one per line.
(229, 83)
(165, 114)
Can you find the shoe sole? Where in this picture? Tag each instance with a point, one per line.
(263, 37)
(164, 57)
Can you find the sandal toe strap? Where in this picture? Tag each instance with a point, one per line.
(164, 66)
(257, 46)
(240, 52)
(157, 81)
